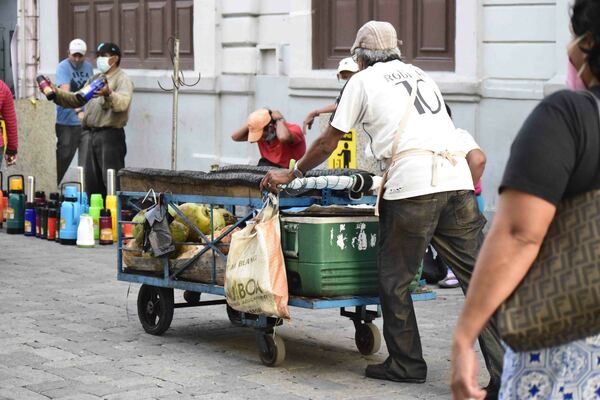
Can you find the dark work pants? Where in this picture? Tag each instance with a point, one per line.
(102, 149)
(68, 139)
(453, 224)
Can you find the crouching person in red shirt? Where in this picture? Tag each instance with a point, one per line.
(278, 141)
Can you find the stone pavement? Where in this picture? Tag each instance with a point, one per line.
(70, 331)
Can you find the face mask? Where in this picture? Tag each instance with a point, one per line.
(574, 81)
(102, 64)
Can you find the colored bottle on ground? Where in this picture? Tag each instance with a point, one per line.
(50, 204)
(85, 206)
(40, 203)
(44, 222)
(58, 206)
(51, 223)
(30, 218)
(15, 210)
(106, 230)
(96, 204)
(4, 204)
(111, 199)
(85, 231)
(70, 211)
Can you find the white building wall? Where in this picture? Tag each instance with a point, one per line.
(256, 53)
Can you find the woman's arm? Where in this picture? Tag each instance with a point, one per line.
(513, 242)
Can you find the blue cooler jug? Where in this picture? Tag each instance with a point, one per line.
(70, 210)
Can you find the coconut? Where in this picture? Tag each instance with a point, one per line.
(199, 215)
(228, 217)
(179, 231)
(138, 229)
(224, 244)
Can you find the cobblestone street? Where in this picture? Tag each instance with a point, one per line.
(70, 331)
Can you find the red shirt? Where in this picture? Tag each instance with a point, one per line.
(7, 113)
(281, 153)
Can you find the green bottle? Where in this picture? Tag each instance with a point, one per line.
(96, 204)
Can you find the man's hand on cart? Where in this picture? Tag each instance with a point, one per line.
(276, 177)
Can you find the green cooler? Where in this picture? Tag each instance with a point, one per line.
(330, 256)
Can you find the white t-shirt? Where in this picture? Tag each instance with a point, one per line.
(377, 98)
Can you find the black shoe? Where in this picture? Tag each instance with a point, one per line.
(378, 371)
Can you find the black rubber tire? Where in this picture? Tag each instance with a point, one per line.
(275, 354)
(191, 297)
(367, 339)
(155, 308)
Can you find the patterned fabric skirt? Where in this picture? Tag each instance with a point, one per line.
(567, 372)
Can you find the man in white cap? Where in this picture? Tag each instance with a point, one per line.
(71, 74)
(427, 197)
(346, 68)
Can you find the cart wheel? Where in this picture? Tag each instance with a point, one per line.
(235, 317)
(155, 308)
(275, 353)
(191, 297)
(367, 339)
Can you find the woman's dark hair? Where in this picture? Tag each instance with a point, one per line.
(585, 18)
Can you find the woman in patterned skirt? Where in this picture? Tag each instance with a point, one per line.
(555, 155)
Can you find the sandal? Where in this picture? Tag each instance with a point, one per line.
(449, 282)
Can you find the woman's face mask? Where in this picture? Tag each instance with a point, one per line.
(103, 64)
(574, 81)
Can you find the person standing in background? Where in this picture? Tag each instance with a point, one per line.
(106, 114)
(346, 68)
(71, 74)
(9, 140)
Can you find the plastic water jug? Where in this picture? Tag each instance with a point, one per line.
(85, 231)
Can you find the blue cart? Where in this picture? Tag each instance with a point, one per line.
(155, 303)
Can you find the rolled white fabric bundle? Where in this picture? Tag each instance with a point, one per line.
(321, 182)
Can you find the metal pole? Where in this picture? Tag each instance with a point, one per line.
(175, 105)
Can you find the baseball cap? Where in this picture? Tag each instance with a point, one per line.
(256, 123)
(347, 64)
(376, 35)
(108, 47)
(77, 46)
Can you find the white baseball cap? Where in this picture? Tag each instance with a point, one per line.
(77, 46)
(347, 64)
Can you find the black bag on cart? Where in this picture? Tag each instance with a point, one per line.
(157, 235)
